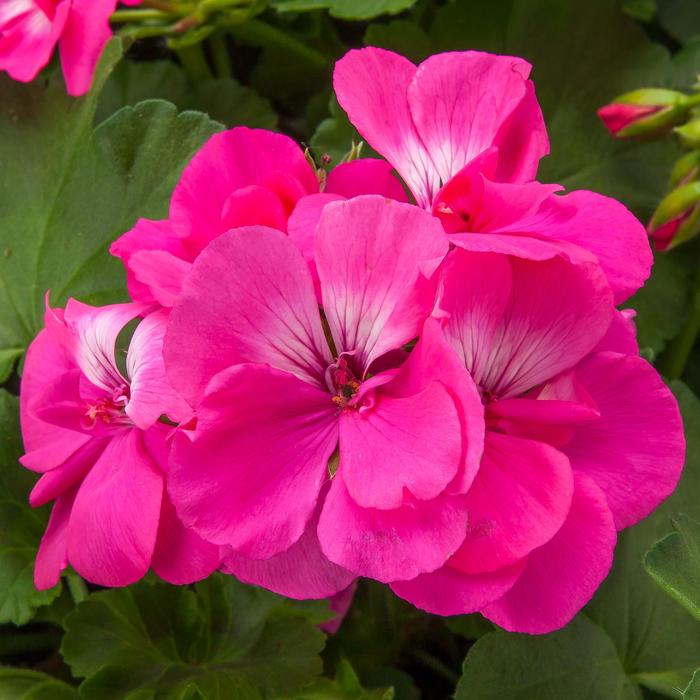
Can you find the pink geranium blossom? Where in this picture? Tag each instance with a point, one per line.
(30, 30)
(465, 132)
(93, 433)
(582, 439)
(240, 177)
(276, 396)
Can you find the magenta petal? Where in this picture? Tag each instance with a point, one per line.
(52, 556)
(115, 516)
(372, 87)
(84, 36)
(249, 298)
(460, 101)
(517, 322)
(301, 572)
(448, 591)
(518, 501)
(339, 604)
(610, 231)
(635, 451)
(390, 545)
(411, 442)
(180, 555)
(155, 260)
(622, 334)
(562, 576)
(375, 258)
(251, 475)
(365, 176)
(227, 162)
(151, 395)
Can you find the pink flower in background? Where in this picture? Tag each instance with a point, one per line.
(276, 396)
(240, 177)
(30, 30)
(93, 434)
(465, 132)
(582, 439)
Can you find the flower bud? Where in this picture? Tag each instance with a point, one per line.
(689, 133)
(644, 112)
(677, 218)
(686, 169)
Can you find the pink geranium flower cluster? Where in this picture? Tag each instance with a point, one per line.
(330, 382)
(31, 29)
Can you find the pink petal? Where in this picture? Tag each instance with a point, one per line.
(622, 334)
(365, 176)
(562, 576)
(151, 394)
(301, 572)
(339, 604)
(28, 36)
(461, 103)
(251, 474)
(301, 228)
(180, 555)
(635, 451)
(115, 516)
(52, 556)
(448, 591)
(47, 446)
(390, 545)
(85, 34)
(611, 232)
(236, 159)
(375, 258)
(55, 482)
(155, 259)
(249, 298)
(372, 87)
(411, 442)
(92, 337)
(433, 360)
(518, 501)
(517, 322)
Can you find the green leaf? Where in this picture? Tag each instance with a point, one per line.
(400, 35)
(657, 640)
(67, 191)
(345, 686)
(469, 626)
(680, 18)
(23, 684)
(692, 692)
(674, 563)
(346, 9)
(219, 640)
(21, 526)
(577, 663)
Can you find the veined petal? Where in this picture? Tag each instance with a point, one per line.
(251, 474)
(248, 298)
(52, 556)
(376, 259)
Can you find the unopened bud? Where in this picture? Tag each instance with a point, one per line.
(689, 133)
(645, 112)
(686, 169)
(677, 218)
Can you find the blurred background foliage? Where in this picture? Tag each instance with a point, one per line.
(74, 174)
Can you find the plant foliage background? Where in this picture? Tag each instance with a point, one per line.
(76, 173)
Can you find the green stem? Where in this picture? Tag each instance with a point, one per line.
(260, 33)
(78, 589)
(676, 356)
(219, 55)
(434, 664)
(121, 16)
(194, 62)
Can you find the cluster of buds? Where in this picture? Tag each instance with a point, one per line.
(650, 113)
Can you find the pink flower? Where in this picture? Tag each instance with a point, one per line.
(94, 434)
(240, 177)
(30, 30)
(582, 439)
(465, 132)
(278, 390)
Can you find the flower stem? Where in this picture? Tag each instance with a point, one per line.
(78, 589)
(194, 62)
(436, 665)
(121, 16)
(676, 356)
(219, 55)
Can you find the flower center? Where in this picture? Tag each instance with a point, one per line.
(107, 410)
(342, 382)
